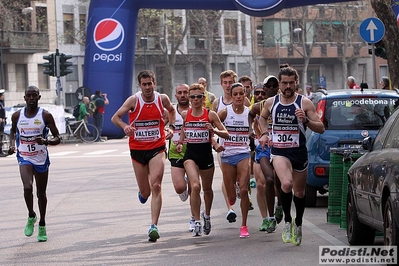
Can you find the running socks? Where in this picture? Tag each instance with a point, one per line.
(286, 199)
(300, 209)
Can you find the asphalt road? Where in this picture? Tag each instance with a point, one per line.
(95, 218)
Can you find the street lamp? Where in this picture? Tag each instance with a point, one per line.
(296, 30)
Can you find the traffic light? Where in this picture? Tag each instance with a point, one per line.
(65, 65)
(379, 50)
(49, 66)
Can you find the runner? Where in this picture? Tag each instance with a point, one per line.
(227, 78)
(147, 140)
(29, 131)
(291, 114)
(199, 127)
(236, 154)
(177, 170)
(265, 178)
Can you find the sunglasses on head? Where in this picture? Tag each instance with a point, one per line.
(270, 86)
(198, 96)
(260, 92)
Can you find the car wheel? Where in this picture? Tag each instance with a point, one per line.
(357, 233)
(310, 196)
(391, 232)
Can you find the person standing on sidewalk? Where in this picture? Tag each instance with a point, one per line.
(199, 126)
(98, 117)
(290, 114)
(2, 121)
(147, 141)
(29, 131)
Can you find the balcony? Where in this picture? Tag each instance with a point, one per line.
(26, 42)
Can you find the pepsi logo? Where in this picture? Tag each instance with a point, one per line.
(108, 34)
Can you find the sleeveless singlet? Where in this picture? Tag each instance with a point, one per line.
(238, 128)
(197, 135)
(288, 132)
(147, 118)
(28, 128)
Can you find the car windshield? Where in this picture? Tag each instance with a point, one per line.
(358, 113)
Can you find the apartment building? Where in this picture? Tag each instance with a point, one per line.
(321, 40)
(28, 31)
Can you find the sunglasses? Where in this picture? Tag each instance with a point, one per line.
(270, 86)
(198, 96)
(260, 92)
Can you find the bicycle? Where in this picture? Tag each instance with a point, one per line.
(86, 132)
(4, 143)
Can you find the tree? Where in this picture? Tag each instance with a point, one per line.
(164, 31)
(384, 11)
(205, 23)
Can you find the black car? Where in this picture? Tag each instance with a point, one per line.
(372, 202)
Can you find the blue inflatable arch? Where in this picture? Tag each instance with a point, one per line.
(111, 33)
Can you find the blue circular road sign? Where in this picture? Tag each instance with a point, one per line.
(372, 30)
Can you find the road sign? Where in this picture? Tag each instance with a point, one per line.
(322, 82)
(372, 30)
(82, 92)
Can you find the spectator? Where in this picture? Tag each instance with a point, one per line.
(385, 83)
(2, 119)
(98, 117)
(309, 93)
(351, 82)
(83, 114)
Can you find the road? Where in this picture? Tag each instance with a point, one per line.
(95, 218)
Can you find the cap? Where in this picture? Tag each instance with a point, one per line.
(266, 80)
(258, 86)
(2, 91)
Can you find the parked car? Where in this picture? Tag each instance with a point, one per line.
(373, 190)
(348, 117)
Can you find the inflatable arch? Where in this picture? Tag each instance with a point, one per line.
(110, 45)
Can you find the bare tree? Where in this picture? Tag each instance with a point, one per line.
(384, 11)
(162, 31)
(205, 23)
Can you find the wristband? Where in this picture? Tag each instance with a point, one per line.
(45, 143)
(264, 133)
(172, 126)
(307, 121)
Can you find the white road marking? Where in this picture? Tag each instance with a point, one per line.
(99, 152)
(63, 153)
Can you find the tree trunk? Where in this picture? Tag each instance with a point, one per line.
(384, 11)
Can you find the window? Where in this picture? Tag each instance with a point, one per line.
(69, 32)
(392, 140)
(41, 19)
(175, 29)
(42, 78)
(230, 31)
(21, 76)
(3, 76)
(276, 32)
(82, 28)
